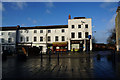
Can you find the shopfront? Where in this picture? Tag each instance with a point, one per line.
(60, 46)
(77, 45)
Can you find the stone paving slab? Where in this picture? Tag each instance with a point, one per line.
(67, 68)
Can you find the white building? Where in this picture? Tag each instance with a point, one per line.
(73, 36)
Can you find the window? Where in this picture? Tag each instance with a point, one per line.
(41, 31)
(21, 39)
(35, 31)
(56, 38)
(49, 31)
(35, 39)
(2, 33)
(63, 30)
(79, 26)
(27, 39)
(49, 39)
(79, 35)
(86, 26)
(2, 40)
(63, 38)
(41, 38)
(86, 34)
(26, 31)
(8, 33)
(9, 40)
(72, 26)
(72, 35)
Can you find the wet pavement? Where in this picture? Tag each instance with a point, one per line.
(74, 66)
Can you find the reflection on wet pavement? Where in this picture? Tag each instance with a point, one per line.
(79, 67)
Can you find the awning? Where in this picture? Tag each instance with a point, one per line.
(59, 43)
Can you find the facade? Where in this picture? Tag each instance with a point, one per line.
(71, 37)
(117, 23)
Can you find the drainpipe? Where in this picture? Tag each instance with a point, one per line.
(17, 37)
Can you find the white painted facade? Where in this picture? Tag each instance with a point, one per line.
(24, 33)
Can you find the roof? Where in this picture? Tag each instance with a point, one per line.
(118, 9)
(8, 28)
(35, 27)
(79, 17)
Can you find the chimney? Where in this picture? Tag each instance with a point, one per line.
(69, 16)
(18, 26)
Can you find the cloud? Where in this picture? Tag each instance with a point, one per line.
(105, 4)
(48, 11)
(2, 7)
(19, 5)
(32, 20)
(49, 4)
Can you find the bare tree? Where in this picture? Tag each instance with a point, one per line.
(112, 37)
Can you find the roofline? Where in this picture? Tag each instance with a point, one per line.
(35, 27)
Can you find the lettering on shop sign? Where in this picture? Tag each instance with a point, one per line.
(79, 42)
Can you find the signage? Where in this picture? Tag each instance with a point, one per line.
(89, 36)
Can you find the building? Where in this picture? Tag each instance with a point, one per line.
(117, 24)
(71, 37)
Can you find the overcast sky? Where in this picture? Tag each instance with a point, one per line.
(41, 13)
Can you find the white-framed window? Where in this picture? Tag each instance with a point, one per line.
(72, 35)
(27, 38)
(49, 38)
(86, 25)
(9, 33)
(41, 31)
(35, 31)
(79, 26)
(63, 38)
(9, 40)
(79, 35)
(35, 39)
(56, 38)
(41, 39)
(49, 31)
(73, 26)
(63, 31)
(2, 40)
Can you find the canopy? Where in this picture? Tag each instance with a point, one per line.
(59, 43)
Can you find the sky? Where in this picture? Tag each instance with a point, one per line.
(56, 13)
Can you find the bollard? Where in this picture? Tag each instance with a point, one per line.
(98, 56)
(41, 56)
(49, 55)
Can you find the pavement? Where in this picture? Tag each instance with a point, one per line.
(67, 66)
